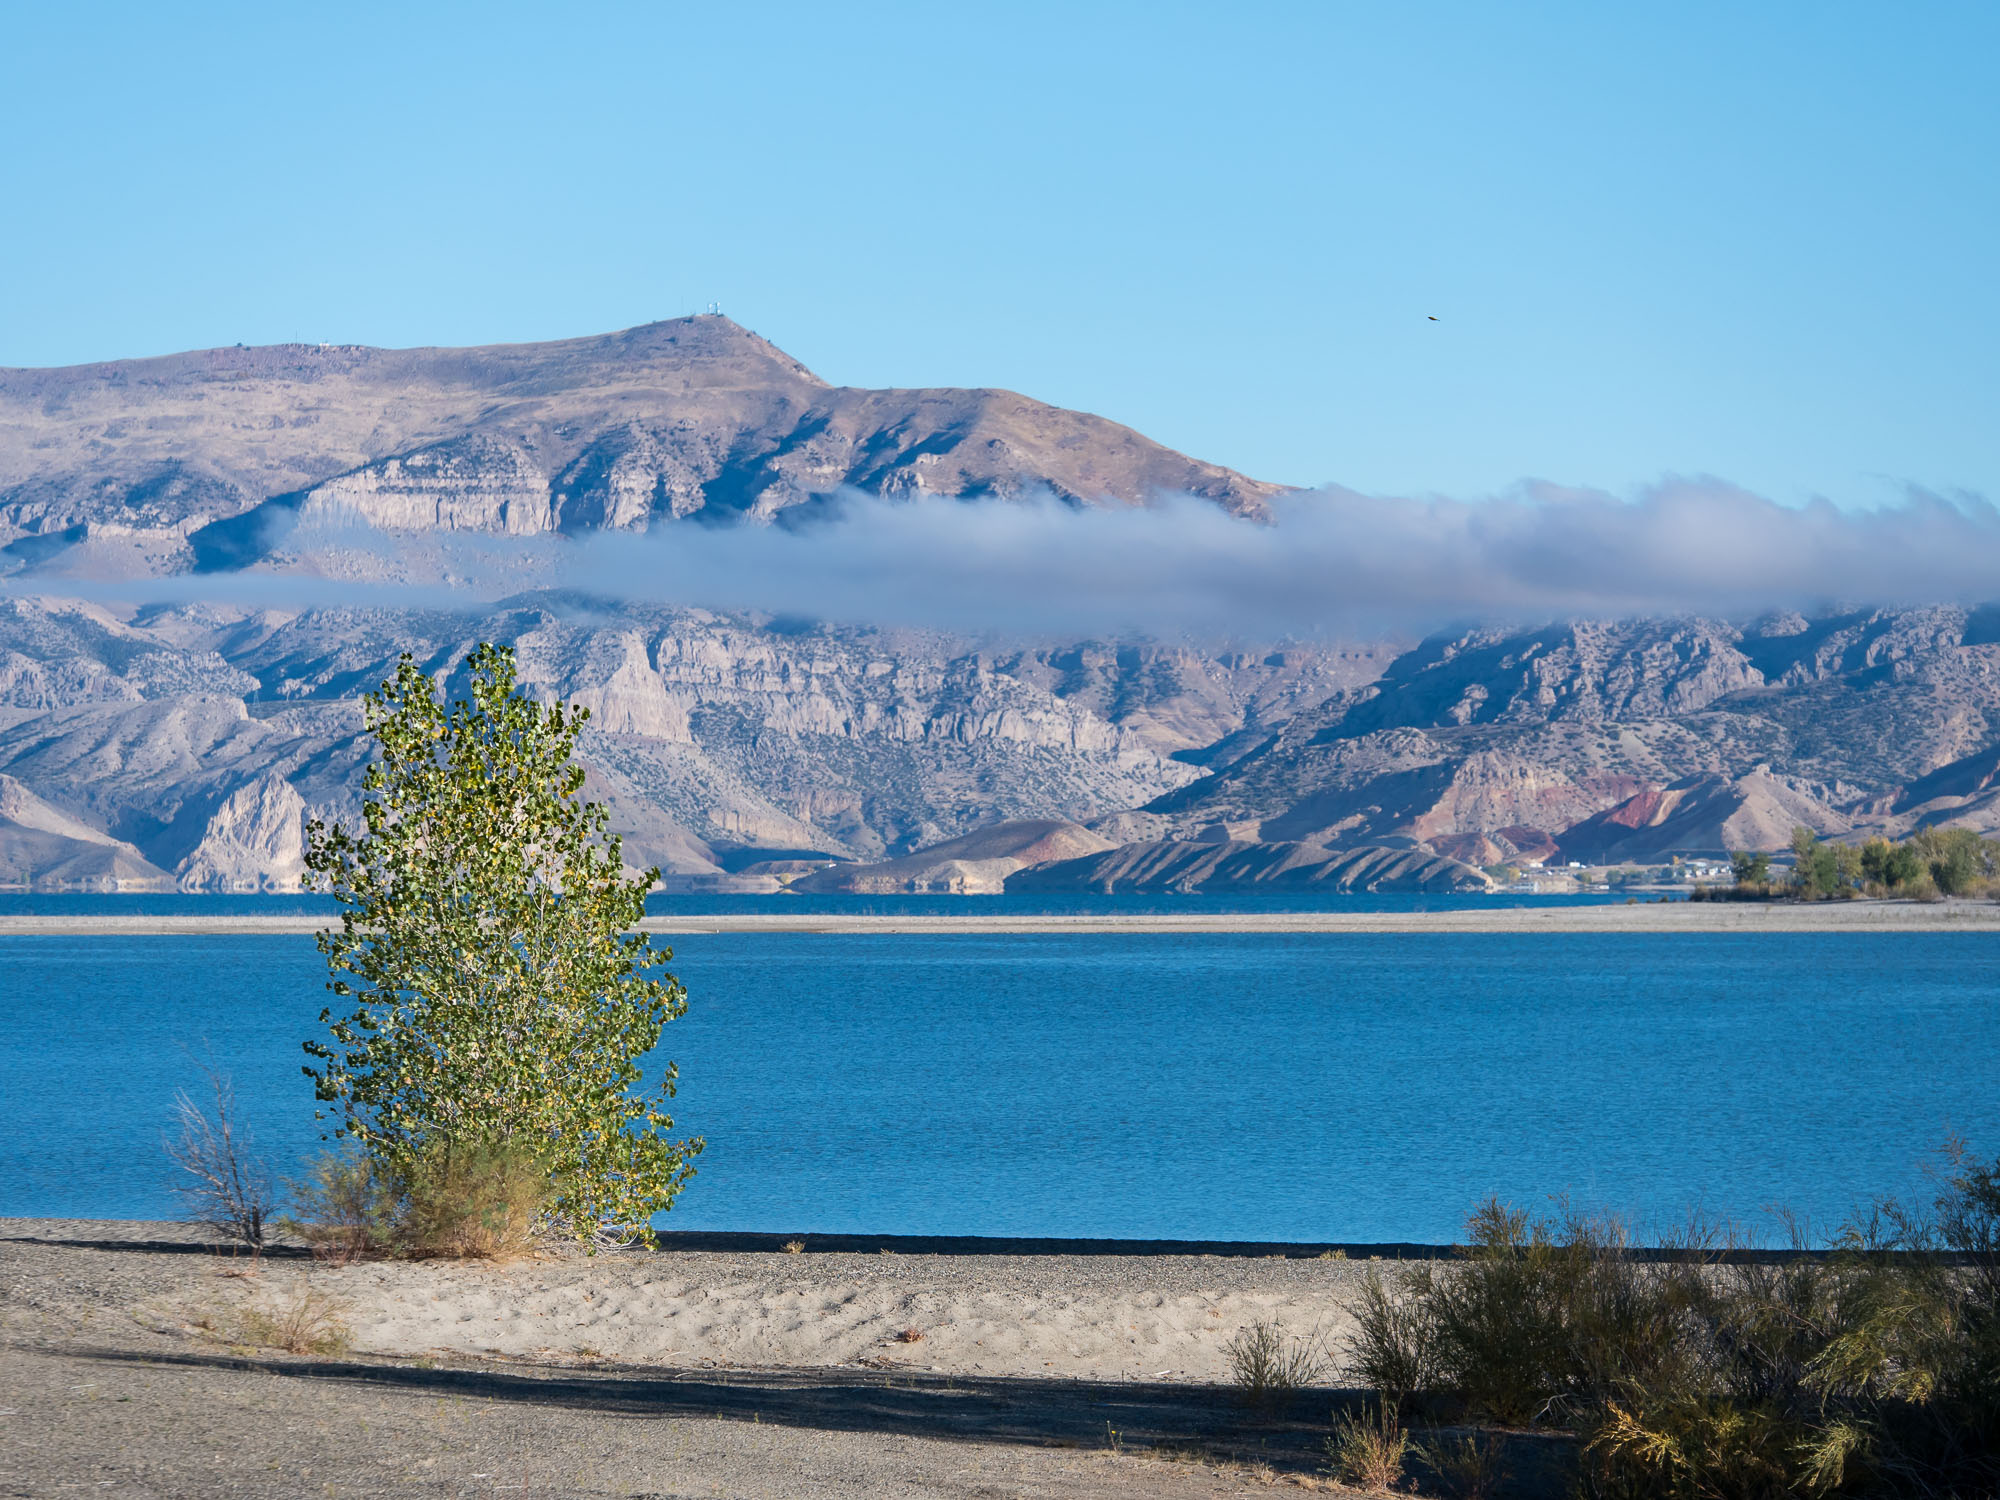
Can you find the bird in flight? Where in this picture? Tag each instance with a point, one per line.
(1431, 316)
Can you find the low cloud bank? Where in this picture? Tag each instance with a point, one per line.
(1333, 561)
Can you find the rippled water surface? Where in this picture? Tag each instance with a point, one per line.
(1346, 1086)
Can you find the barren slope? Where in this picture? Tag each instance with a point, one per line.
(205, 458)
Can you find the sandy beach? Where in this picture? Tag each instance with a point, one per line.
(1643, 916)
(135, 1361)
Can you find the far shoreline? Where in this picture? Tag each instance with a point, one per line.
(1865, 915)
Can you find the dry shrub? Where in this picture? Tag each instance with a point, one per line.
(473, 1200)
(1468, 1466)
(910, 1336)
(224, 1187)
(1368, 1451)
(1543, 1318)
(1870, 1370)
(795, 1247)
(309, 1323)
(1268, 1364)
(341, 1209)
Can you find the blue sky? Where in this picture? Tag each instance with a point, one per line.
(1748, 241)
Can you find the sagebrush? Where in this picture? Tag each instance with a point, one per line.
(1871, 1370)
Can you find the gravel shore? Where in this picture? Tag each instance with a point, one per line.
(134, 1360)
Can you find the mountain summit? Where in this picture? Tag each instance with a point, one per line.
(186, 458)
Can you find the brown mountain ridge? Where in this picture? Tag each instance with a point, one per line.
(201, 460)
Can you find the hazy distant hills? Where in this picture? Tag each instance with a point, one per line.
(201, 460)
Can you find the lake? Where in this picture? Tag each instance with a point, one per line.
(1303, 1087)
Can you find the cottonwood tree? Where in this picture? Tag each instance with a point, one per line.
(499, 997)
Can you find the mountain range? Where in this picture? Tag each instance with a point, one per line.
(182, 744)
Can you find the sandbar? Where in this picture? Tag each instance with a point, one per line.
(1647, 916)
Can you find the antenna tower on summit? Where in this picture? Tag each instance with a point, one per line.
(713, 310)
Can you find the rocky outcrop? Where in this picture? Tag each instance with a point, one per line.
(255, 841)
(44, 848)
(977, 863)
(1185, 866)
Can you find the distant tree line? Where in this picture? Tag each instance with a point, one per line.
(1931, 863)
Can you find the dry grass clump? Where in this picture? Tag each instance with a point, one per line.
(1874, 1370)
(1468, 1466)
(473, 1200)
(309, 1322)
(1267, 1364)
(1368, 1452)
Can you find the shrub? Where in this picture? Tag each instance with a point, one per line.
(1874, 1369)
(309, 1323)
(1369, 1451)
(1396, 1350)
(342, 1210)
(469, 1200)
(1468, 1466)
(224, 1187)
(1268, 1364)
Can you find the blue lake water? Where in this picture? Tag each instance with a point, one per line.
(1303, 1087)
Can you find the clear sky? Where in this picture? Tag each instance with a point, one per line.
(1755, 241)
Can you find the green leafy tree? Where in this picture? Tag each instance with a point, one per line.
(1961, 863)
(1750, 867)
(1820, 870)
(1894, 867)
(500, 999)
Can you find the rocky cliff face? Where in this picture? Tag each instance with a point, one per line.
(43, 846)
(195, 737)
(254, 841)
(208, 459)
(713, 737)
(1631, 740)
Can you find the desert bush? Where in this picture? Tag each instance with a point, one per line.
(469, 1200)
(342, 1209)
(224, 1187)
(1267, 1364)
(310, 1322)
(1467, 1466)
(1397, 1348)
(1873, 1369)
(1369, 1451)
(1540, 1318)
